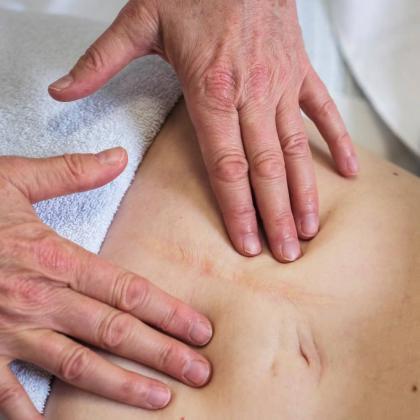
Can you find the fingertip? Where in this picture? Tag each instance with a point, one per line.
(210, 374)
(73, 86)
(159, 397)
(197, 373)
(352, 166)
(65, 89)
(61, 84)
(100, 168)
(348, 167)
(201, 333)
(109, 165)
(308, 226)
(116, 156)
(68, 94)
(251, 245)
(288, 251)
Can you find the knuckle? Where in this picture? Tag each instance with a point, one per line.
(171, 317)
(75, 166)
(16, 240)
(230, 166)
(30, 293)
(309, 199)
(135, 22)
(92, 60)
(243, 215)
(166, 355)
(268, 164)
(327, 108)
(114, 329)
(220, 87)
(130, 13)
(130, 291)
(295, 145)
(259, 82)
(10, 393)
(51, 255)
(343, 140)
(75, 364)
(285, 223)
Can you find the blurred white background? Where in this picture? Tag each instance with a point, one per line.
(376, 85)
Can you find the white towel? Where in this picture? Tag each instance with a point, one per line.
(128, 112)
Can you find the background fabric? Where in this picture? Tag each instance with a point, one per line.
(381, 42)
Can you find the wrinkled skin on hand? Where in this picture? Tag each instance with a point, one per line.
(245, 76)
(51, 290)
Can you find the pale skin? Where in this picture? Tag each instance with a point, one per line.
(51, 291)
(245, 76)
(334, 336)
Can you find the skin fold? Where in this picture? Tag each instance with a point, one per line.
(245, 76)
(334, 336)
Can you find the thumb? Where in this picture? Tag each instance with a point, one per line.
(133, 34)
(41, 179)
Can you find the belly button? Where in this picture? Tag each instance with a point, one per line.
(309, 351)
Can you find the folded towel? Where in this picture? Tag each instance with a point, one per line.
(129, 111)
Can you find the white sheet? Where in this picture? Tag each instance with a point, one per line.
(381, 41)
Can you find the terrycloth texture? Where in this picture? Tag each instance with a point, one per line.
(35, 50)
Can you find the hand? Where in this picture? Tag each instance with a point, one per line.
(245, 76)
(51, 289)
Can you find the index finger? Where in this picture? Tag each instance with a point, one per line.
(97, 278)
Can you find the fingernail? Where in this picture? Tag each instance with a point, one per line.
(111, 156)
(201, 333)
(196, 372)
(62, 83)
(352, 165)
(159, 397)
(291, 249)
(251, 244)
(309, 225)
